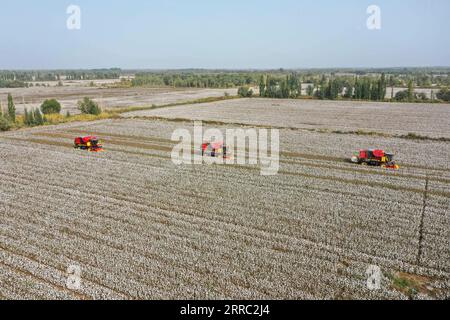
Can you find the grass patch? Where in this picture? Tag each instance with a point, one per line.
(409, 136)
(357, 132)
(57, 118)
(414, 136)
(54, 119)
(410, 284)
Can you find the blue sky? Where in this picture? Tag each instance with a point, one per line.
(223, 34)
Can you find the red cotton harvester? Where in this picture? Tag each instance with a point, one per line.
(89, 143)
(216, 149)
(378, 158)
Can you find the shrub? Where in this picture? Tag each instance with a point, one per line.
(5, 124)
(33, 118)
(245, 92)
(50, 107)
(444, 94)
(402, 96)
(421, 96)
(87, 106)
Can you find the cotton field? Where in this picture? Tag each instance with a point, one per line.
(107, 98)
(133, 225)
(431, 120)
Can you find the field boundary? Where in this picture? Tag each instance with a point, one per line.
(409, 136)
(422, 217)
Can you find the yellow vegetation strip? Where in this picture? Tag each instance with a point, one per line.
(305, 175)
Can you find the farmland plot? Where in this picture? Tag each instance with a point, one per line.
(108, 98)
(424, 119)
(140, 227)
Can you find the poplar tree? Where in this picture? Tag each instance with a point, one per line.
(11, 109)
(38, 117)
(25, 117)
(410, 91)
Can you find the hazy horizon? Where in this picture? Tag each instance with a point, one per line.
(231, 69)
(224, 35)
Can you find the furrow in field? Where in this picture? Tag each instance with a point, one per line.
(48, 240)
(47, 274)
(52, 267)
(358, 283)
(28, 286)
(329, 229)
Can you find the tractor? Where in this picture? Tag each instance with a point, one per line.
(378, 158)
(89, 143)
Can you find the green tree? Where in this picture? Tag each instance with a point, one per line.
(321, 93)
(366, 89)
(245, 92)
(444, 95)
(5, 124)
(402, 96)
(310, 90)
(348, 91)
(381, 88)
(38, 119)
(410, 91)
(30, 118)
(25, 117)
(262, 86)
(357, 93)
(335, 89)
(11, 109)
(87, 106)
(284, 87)
(51, 106)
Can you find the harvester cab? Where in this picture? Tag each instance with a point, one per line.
(89, 143)
(378, 158)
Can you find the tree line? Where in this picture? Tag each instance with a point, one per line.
(21, 79)
(398, 77)
(367, 88)
(38, 116)
(195, 80)
(290, 86)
